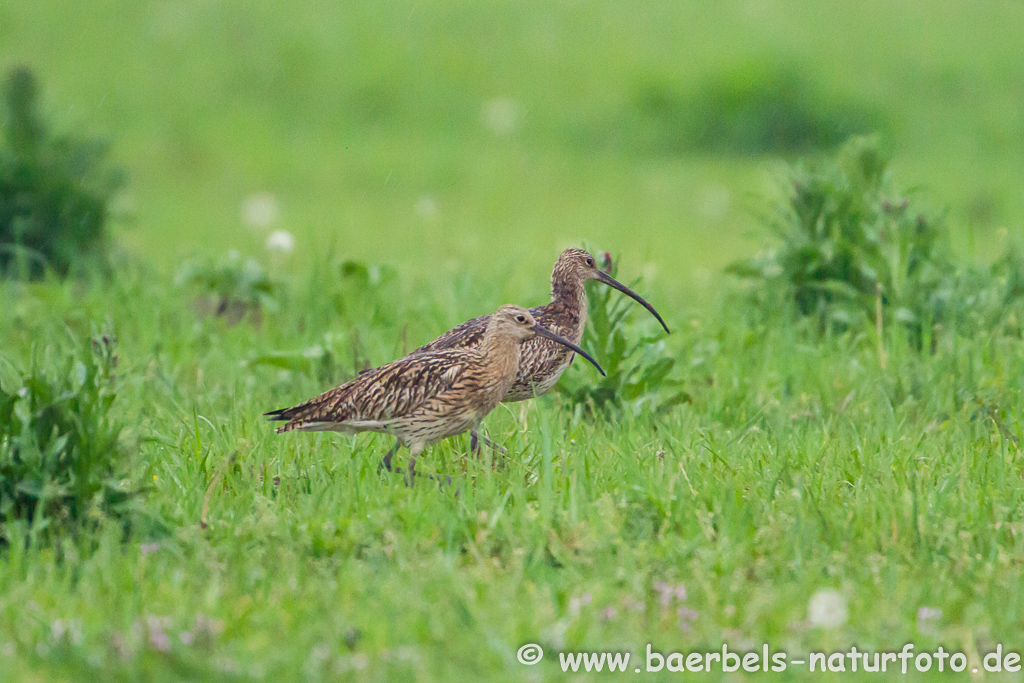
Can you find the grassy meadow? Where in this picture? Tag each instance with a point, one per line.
(811, 486)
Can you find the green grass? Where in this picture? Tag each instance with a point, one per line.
(800, 465)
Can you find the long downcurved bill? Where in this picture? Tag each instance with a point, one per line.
(615, 284)
(545, 332)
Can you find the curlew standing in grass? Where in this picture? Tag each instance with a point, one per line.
(541, 361)
(430, 396)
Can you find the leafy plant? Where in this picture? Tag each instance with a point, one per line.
(230, 287)
(638, 369)
(851, 246)
(54, 190)
(752, 109)
(365, 292)
(62, 460)
(992, 298)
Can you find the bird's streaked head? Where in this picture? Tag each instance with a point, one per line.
(577, 264)
(582, 266)
(517, 322)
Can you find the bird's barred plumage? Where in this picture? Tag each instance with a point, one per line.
(542, 361)
(425, 397)
(446, 387)
(430, 396)
(410, 398)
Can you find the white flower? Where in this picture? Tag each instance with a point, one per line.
(281, 241)
(668, 591)
(827, 609)
(501, 115)
(70, 630)
(426, 207)
(575, 604)
(259, 210)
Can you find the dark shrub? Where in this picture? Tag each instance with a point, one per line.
(54, 191)
(754, 109)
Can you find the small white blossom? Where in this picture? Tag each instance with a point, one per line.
(69, 631)
(686, 618)
(827, 609)
(501, 116)
(426, 207)
(157, 627)
(160, 641)
(259, 211)
(575, 604)
(281, 241)
(667, 592)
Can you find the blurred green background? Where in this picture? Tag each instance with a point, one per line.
(461, 134)
(483, 137)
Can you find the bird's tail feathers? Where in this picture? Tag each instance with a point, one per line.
(279, 415)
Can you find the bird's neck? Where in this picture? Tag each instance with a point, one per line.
(569, 301)
(501, 353)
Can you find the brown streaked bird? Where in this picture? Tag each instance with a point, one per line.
(542, 361)
(430, 396)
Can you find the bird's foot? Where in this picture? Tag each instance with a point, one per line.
(411, 477)
(476, 449)
(385, 463)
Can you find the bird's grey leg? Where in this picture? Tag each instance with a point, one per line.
(414, 451)
(475, 440)
(411, 474)
(494, 446)
(386, 462)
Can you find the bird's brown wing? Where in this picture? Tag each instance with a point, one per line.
(464, 336)
(391, 391)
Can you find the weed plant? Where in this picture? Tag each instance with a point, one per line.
(755, 108)
(63, 465)
(855, 252)
(54, 190)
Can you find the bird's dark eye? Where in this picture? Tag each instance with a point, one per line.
(590, 262)
(520, 318)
